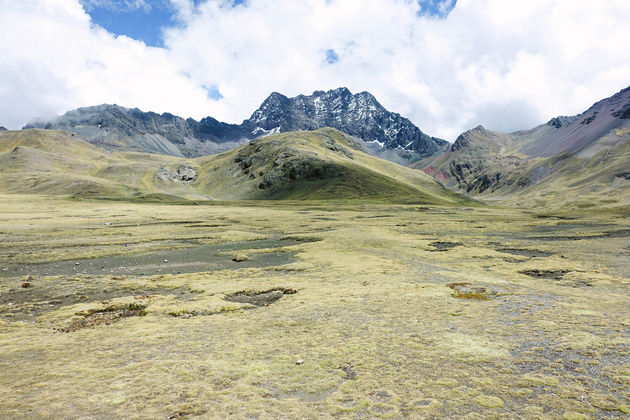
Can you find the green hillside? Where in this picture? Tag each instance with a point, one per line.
(491, 166)
(571, 162)
(320, 165)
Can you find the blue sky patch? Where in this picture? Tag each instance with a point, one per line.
(213, 92)
(439, 8)
(140, 20)
(331, 57)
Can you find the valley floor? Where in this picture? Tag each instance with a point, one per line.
(311, 310)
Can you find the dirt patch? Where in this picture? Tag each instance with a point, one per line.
(464, 290)
(621, 233)
(94, 318)
(563, 238)
(183, 414)
(44, 296)
(259, 298)
(545, 274)
(443, 245)
(553, 216)
(531, 253)
(300, 239)
(193, 259)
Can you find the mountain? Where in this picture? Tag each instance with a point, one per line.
(113, 127)
(583, 158)
(383, 133)
(323, 164)
(476, 161)
(3, 128)
(359, 115)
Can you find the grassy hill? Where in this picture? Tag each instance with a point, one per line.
(600, 180)
(576, 162)
(319, 165)
(491, 166)
(55, 163)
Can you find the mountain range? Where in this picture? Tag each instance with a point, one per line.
(585, 157)
(582, 159)
(324, 164)
(383, 133)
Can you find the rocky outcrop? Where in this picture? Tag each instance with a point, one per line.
(3, 128)
(183, 174)
(290, 164)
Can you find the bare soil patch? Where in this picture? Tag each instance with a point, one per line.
(44, 296)
(259, 298)
(193, 259)
(107, 316)
(464, 290)
(531, 253)
(545, 274)
(443, 245)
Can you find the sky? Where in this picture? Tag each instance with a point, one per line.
(447, 65)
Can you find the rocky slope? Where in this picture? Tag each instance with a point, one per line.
(382, 132)
(575, 158)
(476, 161)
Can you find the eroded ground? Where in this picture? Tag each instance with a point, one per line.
(260, 310)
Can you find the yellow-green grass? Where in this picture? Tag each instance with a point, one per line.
(579, 183)
(374, 321)
(55, 163)
(595, 177)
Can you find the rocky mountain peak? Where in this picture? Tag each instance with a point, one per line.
(341, 91)
(273, 99)
(3, 128)
(383, 133)
(464, 139)
(359, 115)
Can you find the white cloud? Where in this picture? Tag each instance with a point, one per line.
(54, 60)
(506, 65)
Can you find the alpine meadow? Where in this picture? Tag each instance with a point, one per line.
(326, 257)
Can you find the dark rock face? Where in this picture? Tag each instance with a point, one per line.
(623, 112)
(3, 128)
(358, 115)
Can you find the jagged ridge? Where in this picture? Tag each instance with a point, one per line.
(360, 115)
